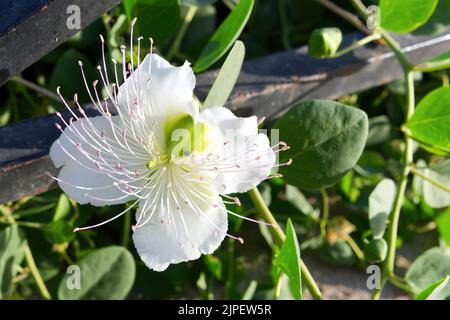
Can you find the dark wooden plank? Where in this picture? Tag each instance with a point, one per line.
(31, 28)
(266, 87)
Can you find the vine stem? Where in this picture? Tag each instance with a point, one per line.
(279, 236)
(187, 19)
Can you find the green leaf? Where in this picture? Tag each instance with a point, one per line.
(430, 123)
(299, 201)
(434, 196)
(324, 42)
(371, 163)
(288, 260)
(67, 75)
(405, 15)
(227, 77)
(379, 130)
(107, 273)
(62, 207)
(214, 266)
(12, 241)
(158, 19)
(439, 21)
(431, 266)
(433, 290)
(443, 225)
(326, 139)
(225, 35)
(59, 231)
(380, 205)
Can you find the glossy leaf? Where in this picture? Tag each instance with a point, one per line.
(405, 15)
(433, 290)
(227, 77)
(107, 273)
(288, 260)
(431, 266)
(225, 35)
(430, 123)
(380, 205)
(62, 208)
(326, 139)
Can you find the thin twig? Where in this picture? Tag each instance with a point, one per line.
(347, 15)
(37, 88)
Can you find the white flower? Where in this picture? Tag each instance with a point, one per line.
(130, 156)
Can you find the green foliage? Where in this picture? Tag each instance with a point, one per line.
(288, 260)
(433, 265)
(405, 15)
(326, 139)
(59, 231)
(228, 74)
(225, 35)
(158, 19)
(12, 241)
(443, 224)
(433, 111)
(433, 290)
(324, 42)
(434, 195)
(380, 205)
(106, 273)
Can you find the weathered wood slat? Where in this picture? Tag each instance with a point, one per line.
(266, 87)
(31, 28)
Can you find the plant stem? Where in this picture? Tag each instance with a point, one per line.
(360, 7)
(126, 230)
(358, 252)
(35, 273)
(31, 263)
(190, 13)
(284, 25)
(357, 44)
(37, 88)
(346, 15)
(325, 212)
(279, 236)
(431, 66)
(433, 182)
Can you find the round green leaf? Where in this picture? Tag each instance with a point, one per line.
(225, 35)
(431, 266)
(324, 42)
(430, 123)
(326, 139)
(107, 273)
(405, 15)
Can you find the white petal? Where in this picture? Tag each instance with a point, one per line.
(246, 157)
(164, 90)
(161, 243)
(80, 178)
